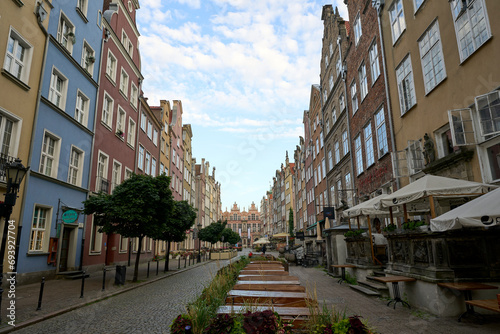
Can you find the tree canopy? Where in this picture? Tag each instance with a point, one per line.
(140, 206)
(230, 236)
(213, 232)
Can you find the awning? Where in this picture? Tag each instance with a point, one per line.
(366, 208)
(313, 226)
(281, 235)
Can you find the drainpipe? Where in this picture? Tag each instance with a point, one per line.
(388, 99)
(32, 140)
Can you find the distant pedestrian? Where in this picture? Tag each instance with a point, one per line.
(264, 249)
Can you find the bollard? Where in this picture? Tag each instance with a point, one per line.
(185, 260)
(83, 284)
(148, 268)
(40, 295)
(103, 279)
(179, 263)
(157, 266)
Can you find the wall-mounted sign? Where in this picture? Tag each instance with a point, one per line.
(299, 235)
(69, 216)
(329, 211)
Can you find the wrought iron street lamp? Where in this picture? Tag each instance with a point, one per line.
(199, 243)
(14, 174)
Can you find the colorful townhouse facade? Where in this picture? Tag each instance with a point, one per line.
(63, 133)
(246, 223)
(177, 150)
(24, 40)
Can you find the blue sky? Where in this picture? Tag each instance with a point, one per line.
(243, 70)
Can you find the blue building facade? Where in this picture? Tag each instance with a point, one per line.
(52, 224)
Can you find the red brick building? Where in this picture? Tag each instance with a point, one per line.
(246, 223)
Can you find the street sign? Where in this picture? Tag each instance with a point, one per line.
(69, 216)
(299, 235)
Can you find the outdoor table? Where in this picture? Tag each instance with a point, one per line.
(395, 288)
(466, 288)
(342, 267)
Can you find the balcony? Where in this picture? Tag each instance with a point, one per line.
(4, 160)
(102, 185)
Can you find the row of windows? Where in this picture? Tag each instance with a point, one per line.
(111, 71)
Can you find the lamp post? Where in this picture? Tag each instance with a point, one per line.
(14, 174)
(198, 260)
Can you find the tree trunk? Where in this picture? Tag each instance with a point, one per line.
(167, 257)
(137, 257)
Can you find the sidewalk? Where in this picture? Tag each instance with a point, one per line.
(63, 295)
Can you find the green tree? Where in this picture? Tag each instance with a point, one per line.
(183, 218)
(213, 232)
(230, 236)
(290, 222)
(137, 208)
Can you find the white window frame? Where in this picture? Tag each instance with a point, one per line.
(133, 95)
(140, 157)
(124, 80)
(82, 6)
(14, 59)
(458, 14)
(75, 170)
(102, 169)
(116, 174)
(131, 132)
(431, 57)
(54, 93)
(9, 142)
(369, 149)
(66, 32)
(345, 142)
(397, 19)
(354, 97)
(381, 131)
(150, 130)
(127, 44)
(374, 62)
(44, 244)
(342, 102)
(357, 29)
(155, 137)
(144, 119)
(153, 166)
(363, 81)
(121, 117)
(45, 155)
(147, 163)
(111, 65)
(87, 54)
(128, 174)
(82, 112)
(406, 86)
(358, 155)
(107, 115)
(95, 245)
(337, 152)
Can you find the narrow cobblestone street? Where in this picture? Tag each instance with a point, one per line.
(148, 309)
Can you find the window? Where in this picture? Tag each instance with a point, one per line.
(102, 183)
(323, 166)
(95, 238)
(327, 125)
(345, 142)
(88, 58)
(82, 108)
(128, 174)
(40, 225)
(330, 159)
(383, 146)
(107, 110)
(334, 115)
(331, 49)
(143, 121)
(358, 155)
(123, 244)
(8, 134)
(58, 88)
(116, 175)
(431, 55)
(488, 109)
(120, 122)
(111, 66)
(374, 64)
(155, 137)
(131, 132)
(406, 88)
(50, 155)
(354, 98)
(341, 102)
(370, 158)
(321, 139)
(317, 146)
(124, 82)
(471, 25)
(348, 187)
(331, 82)
(153, 166)
(147, 169)
(150, 130)
(338, 67)
(397, 18)
(75, 166)
(363, 82)
(325, 95)
(140, 158)
(357, 29)
(127, 44)
(415, 156)
(417, 4)
(133, 95)
(18, 56)
(337, 152)
(82, 6)
(66, 33)
(162, 168)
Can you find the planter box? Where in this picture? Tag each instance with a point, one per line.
(223, 255)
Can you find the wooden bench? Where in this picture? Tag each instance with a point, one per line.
(282, 311)
(488, 304)
(269, 287)
(267, 278)
(264, 272)
(274, 298)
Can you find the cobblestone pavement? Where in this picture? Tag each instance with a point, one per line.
(147, 309)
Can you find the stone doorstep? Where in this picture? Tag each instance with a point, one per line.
(364, 290)
(376, 287)
(72, 275)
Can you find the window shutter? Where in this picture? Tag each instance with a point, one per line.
(462, 127)
(416, 156)
(488, 109)
(399, 164)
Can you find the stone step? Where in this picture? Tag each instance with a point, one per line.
(377, 287)
(364, 290)
(379, 273)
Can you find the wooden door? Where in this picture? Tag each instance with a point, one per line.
(63, 260)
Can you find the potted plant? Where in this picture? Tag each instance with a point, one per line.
(389, 228)
(119, 133)
(71, 37)
(91, 59)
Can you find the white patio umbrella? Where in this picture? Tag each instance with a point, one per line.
(483, 211)
(261, 241)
